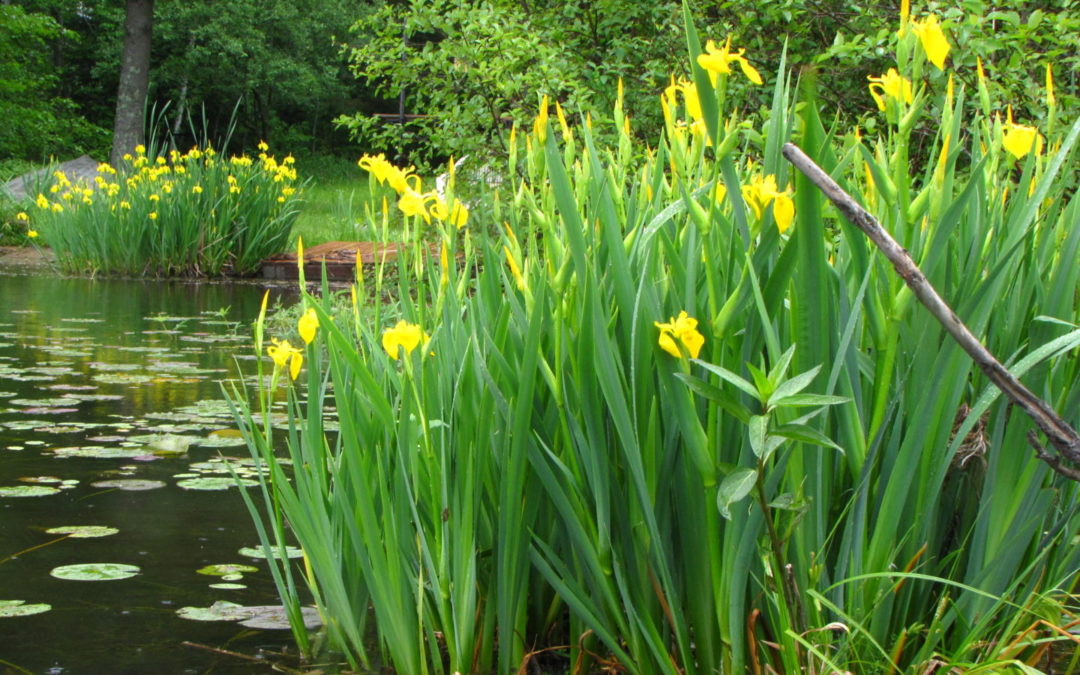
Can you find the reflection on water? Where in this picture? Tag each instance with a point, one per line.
(127, 367)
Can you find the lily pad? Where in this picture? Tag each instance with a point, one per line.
(122, 378)
(222, 610)
(290, 551)
(264, 617)
(77, 397)
(213, 483)
(169, 444)
(142, 350)
(228, 586)
(50, 372)
(95, 572)
(100, 452)
(55, 402)
(225, 569)
(114, 367)
(274, 617)
(13, 608)
(215, 440)
(83, 531)
(69, 353)
(129, 484)
(27, 491)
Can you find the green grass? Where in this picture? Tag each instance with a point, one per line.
(333, 202)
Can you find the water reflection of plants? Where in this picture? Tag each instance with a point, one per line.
(535, 458)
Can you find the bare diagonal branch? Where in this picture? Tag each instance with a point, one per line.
(1061, 435)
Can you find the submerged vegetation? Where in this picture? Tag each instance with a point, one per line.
(672, 414)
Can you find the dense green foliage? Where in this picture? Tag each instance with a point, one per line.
(274, 70)
(275, 63)
(676, 415)
(38, 118)
(476, 67)
(277, 60)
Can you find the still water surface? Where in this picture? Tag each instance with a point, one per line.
(146, 357)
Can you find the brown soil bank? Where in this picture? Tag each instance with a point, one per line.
(23, 257)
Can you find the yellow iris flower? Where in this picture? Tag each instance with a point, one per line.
(385, 172)
(719, 60)
(891, 85)
(284, 353)
(307, 325)
(933, 40)
(515, 270)
(1019, 139)
(763, 191)
(413, 203)
(684, 329)
(540, 123)
(404, 335)
(691, 102)
(456, 216)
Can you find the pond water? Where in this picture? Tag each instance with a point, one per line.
(102, 383)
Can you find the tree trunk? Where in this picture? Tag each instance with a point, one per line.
(134, 79)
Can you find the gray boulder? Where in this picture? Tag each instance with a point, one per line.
(28, 185)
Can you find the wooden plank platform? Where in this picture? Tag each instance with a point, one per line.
(338, 256)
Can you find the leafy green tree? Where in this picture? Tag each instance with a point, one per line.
(37, 120)
(259, 69)
(473, 68)
(275, 62)
(469, 68)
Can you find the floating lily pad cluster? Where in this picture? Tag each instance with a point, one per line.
(79, 416)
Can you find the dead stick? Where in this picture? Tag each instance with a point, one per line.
(1062, 436)
(223, 652)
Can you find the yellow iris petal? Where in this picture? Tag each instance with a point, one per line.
(892, 85)
(404, 335)
(307, 325)
(412, 203)
(783, 211)
(680, 330)
(514, 269)
(718, 60)
(933, 40)
(667, 343)
(1019, 139)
